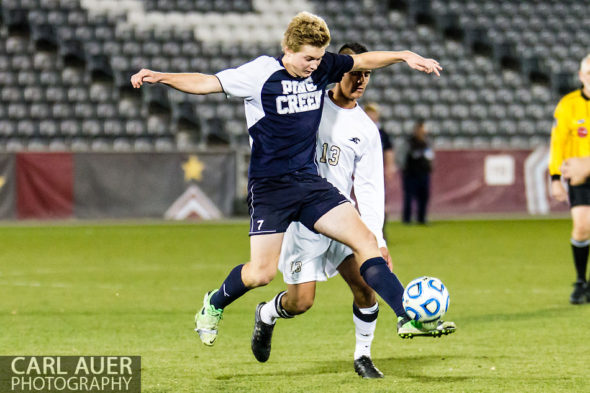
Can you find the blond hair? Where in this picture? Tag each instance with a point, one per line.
(372, 107)
(306, 29)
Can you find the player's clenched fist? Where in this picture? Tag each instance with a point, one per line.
(558, 191)
(144, 75)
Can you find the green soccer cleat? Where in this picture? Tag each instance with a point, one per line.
(207, 320)
(408, 328)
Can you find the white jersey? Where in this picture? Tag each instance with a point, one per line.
(349, 154)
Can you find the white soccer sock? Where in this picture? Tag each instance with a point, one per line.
(364, 332)
(269, 312)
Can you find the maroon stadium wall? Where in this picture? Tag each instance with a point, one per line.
(203, 185)
(117, 185)
(484, 181)
(44, 185)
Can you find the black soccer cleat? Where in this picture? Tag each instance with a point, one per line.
(580, 294)
(365, 368)
(261, 337)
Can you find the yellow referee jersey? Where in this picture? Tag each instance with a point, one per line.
(569, 135)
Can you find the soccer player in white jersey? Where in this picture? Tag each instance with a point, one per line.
(283, 100)
(349, 154)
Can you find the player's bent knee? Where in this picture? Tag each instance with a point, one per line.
(262, 280)
(258, 278)
(581, 233)
(365, 242)
(368, 237)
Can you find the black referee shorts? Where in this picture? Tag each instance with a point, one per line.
(580, 195)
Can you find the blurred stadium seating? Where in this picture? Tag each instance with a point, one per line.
(65, 67)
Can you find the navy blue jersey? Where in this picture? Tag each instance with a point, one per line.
(282, 112)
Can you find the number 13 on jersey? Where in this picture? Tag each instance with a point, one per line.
(330, 155)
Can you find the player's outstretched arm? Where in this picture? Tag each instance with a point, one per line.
(193, 83)
(376, 59)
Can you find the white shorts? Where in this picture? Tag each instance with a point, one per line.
(308, 256)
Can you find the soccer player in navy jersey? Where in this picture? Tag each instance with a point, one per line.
(349, 155)
(283, 100)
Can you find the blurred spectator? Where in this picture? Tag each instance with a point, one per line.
(414, 159)
(373, 111)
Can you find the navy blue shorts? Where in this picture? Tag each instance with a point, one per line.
(275, 202)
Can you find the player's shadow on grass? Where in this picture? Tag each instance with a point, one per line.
(399, 367)
(409, 367)
(557, 311)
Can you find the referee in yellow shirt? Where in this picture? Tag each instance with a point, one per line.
(570, 138)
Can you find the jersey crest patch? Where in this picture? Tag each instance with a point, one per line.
(582, 132)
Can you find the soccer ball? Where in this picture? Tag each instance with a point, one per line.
(426, 299)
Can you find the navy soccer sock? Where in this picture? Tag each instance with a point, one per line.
(378, 276)
(232, 288)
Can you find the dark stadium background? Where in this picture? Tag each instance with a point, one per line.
(66, 104)
(79, 145)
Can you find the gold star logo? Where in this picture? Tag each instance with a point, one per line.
(193, 168)
(2, 181)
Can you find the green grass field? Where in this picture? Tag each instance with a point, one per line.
(133, 290)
